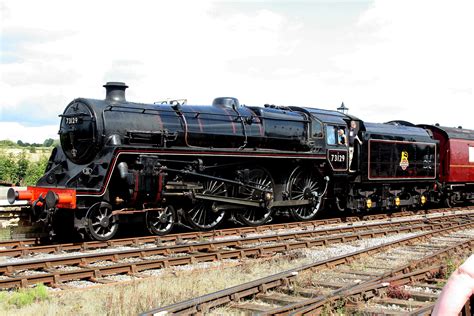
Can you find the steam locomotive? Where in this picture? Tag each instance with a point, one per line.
(171, 163)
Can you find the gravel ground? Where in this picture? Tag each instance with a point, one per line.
(302, 256)
(101, 264)
(176, 255)
(342, 249)
(260, 244)
(30, 272)
(314, 254)
(130, 260)
(80, 284)
(202, 265)
(389, 307)
(153, 272)
(154, 257)
(265, 233)
(332, 277)
(422, 289)
(67, 268)
(121, 277)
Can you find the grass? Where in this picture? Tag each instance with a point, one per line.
(141, 295)
(25, 297)
(31, 153)
(451, 265)
(172, 286)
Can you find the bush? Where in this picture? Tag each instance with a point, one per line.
(19, 170)
(24, 297)
(35, 171)
(6, 143)
(8, 168)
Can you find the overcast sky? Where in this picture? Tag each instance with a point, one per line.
(386, 60)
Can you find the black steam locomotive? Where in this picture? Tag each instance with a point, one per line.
(164, 164)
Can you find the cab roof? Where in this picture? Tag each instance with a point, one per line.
(326, 116)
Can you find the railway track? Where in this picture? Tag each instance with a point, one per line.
(30, 245)
(176, 239)
(354, 278)
(97, 266)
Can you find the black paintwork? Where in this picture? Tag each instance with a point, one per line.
(382, 148)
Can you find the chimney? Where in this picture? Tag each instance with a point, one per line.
(115, 91)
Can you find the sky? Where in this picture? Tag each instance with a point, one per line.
(386, 60)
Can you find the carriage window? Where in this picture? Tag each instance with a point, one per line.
(317, 129)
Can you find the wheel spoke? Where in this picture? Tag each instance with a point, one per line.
(298, 196)
(160, 222)
(200, 215)
(102, 224)
(261, 183)
(302, 186)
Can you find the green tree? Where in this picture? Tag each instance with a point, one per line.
(35, 171)
(22, 167)
(48, 142)
(7, 143)
(8, 168)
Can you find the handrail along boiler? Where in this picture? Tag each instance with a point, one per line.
(163, 164)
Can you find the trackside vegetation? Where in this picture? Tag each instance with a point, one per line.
(25, 297)
(23, 163)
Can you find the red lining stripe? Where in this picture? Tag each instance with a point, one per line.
(260, 124)
(109, 172)
(234, 130)
(198, 119)
(160, 122)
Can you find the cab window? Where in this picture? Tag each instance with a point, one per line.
(316, 129)
(336, 135)
(331, 134)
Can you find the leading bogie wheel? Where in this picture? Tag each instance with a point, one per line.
(161, 222)
(101, 223)
(261, 187)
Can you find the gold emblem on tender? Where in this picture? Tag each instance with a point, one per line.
(404, 161)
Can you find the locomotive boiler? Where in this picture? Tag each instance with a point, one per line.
(195, 165)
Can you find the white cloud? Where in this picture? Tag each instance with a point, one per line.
(16, 131)
(414, 62)
(407, 60)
